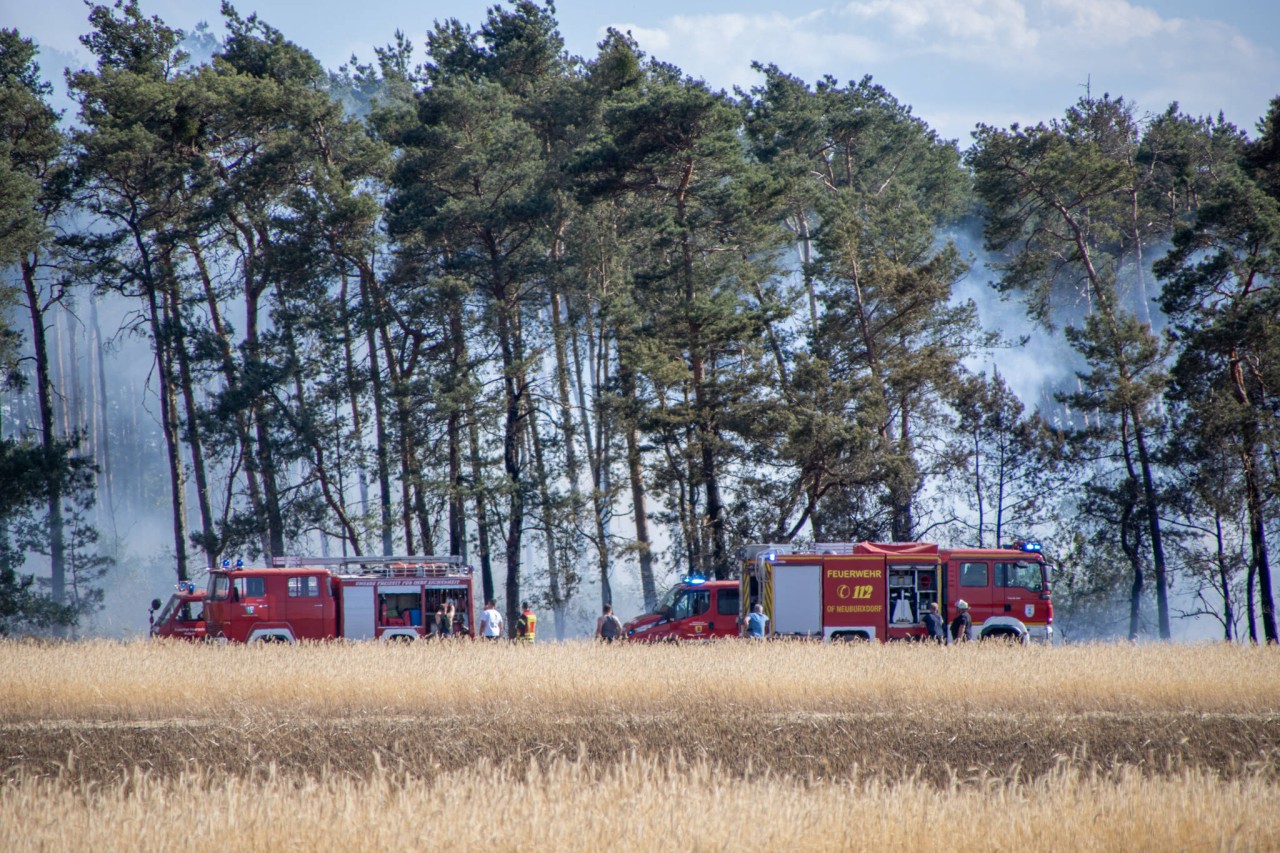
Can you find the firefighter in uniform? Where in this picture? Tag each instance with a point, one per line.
(527, 624)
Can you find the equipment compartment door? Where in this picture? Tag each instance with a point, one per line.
(797, 599)
(358, 613)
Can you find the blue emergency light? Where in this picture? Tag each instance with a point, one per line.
(226, 564)
(694, 580)
(1031, 547)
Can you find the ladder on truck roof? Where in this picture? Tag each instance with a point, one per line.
(750, 552)
(898, 549)
(397, 566)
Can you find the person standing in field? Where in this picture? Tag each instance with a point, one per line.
(757, 622)
(608, 626)
(961, 625)
(491, 621)
(527, 624)
(933, 624)
(444, 619)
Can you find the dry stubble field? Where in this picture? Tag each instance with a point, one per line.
(776, 746)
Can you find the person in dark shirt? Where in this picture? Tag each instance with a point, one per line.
(962, 623)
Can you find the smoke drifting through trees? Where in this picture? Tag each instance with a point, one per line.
(541, 311)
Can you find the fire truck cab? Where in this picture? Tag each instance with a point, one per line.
(304, 598)
(694, 609)
(879, 591)
(182, 616)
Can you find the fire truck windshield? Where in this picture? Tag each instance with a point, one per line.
(1024, 575)
(168, 610)
(219, 587)
(668, 604)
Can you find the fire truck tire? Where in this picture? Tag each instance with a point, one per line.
(271, 636)
(1006, 636)
(850, 637)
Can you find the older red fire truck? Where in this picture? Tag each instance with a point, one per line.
(324, 598)
(862, 591)
(182, 616)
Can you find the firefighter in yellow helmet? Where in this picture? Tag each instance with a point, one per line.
(527, 624)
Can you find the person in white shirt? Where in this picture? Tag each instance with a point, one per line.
(491, 621)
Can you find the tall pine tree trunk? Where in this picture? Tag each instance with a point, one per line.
(556, 591)
(373, 316)
(103, 456)
(635, 475)
(44, 400)
(482, 510)
(515, 390)
(1152, 506)
(258, 416)
(208, 538)
(1129, 537)
(454, 428)
(169, 427)
(353, 382)
(1259, 559)
(1224, 580)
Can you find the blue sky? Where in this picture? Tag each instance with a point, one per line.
(957, 62)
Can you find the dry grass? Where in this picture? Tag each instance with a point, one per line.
(147, 681)
(640, 805)
(777, 745)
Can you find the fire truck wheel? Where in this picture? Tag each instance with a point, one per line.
(1008, 637)
(850, 637)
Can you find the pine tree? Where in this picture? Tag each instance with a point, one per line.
(1062, 207)
(1220, 292)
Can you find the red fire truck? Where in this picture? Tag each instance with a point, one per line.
(863, 591)
(694, 609)
(323, 598)
(182, 616)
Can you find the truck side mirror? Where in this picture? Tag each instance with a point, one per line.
(155, 604)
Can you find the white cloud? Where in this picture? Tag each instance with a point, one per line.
(720, 48)
(1109, 22)
(966, 25)
(959, 62)
(655, 41)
